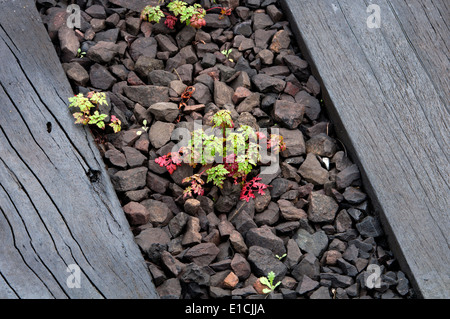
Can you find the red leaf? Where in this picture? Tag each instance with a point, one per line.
(251, 186)
(169, 161)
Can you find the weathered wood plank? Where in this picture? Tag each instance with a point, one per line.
(387, 90)
(52, 214)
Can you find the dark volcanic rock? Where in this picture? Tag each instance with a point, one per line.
(202, 254)
(151, 238)
(160, 133)
(110, 35)
(321, 144)
(263, 261)
(315, 243)
(322, 208)
(295, 143)
(297, 66)
(321, 293)
(243, 28)
(370, 227)
(144, 65)
(177, 224)
(347, 176)
(136, 213)
(170, 289)
(213, 20)
(306, 284)
(143, 46)
(69, 43)
(290, 212)
(157, 183)
(76, 73)
(100, 77)
(312, 171)
(290, 114)
(185, 36)
(268, 217)
(280, 41)
(165, 111)
(240, 266)
(131, 179)
(312, 105)
(160, 213)
(279, 187)
(161, 77)
(354, 196)
(308, 266)
(264, 237)
(337, 280)
(147, 95)
(261, 21)
(265, 83)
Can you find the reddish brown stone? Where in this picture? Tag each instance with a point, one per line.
(202, 254)
(291, 89)
(194, 108)
(230, 281)
(136, 213)
(240, 94)
(259, 287)
(240, 266)
(133, 79)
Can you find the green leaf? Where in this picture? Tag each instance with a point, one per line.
(101, 124)
(217, 175)
(99, 98)
(177, 7)
(152, 14)
(267, 290)
(264, 281)
(271, 277)
(222, 119)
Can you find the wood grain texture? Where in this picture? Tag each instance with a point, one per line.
(387, 90)
(52, 214)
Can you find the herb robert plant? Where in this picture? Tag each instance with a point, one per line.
(238, 150)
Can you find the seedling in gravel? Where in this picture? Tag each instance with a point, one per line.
(86, 104)
(227, 54)
(144, 128)
(268, 282)
(115, 124)
(80, 54)
(177, 10)
(280, 257)
(223, 155)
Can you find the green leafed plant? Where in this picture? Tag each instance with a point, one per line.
(227, 54)
(80, 54)
(144, 128)
(88, 113)
(177, 10)
(281, 257)
(268, 282)
(224, 154)
(152, 14)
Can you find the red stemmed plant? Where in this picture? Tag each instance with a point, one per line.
(192, 15)
(237, 150)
